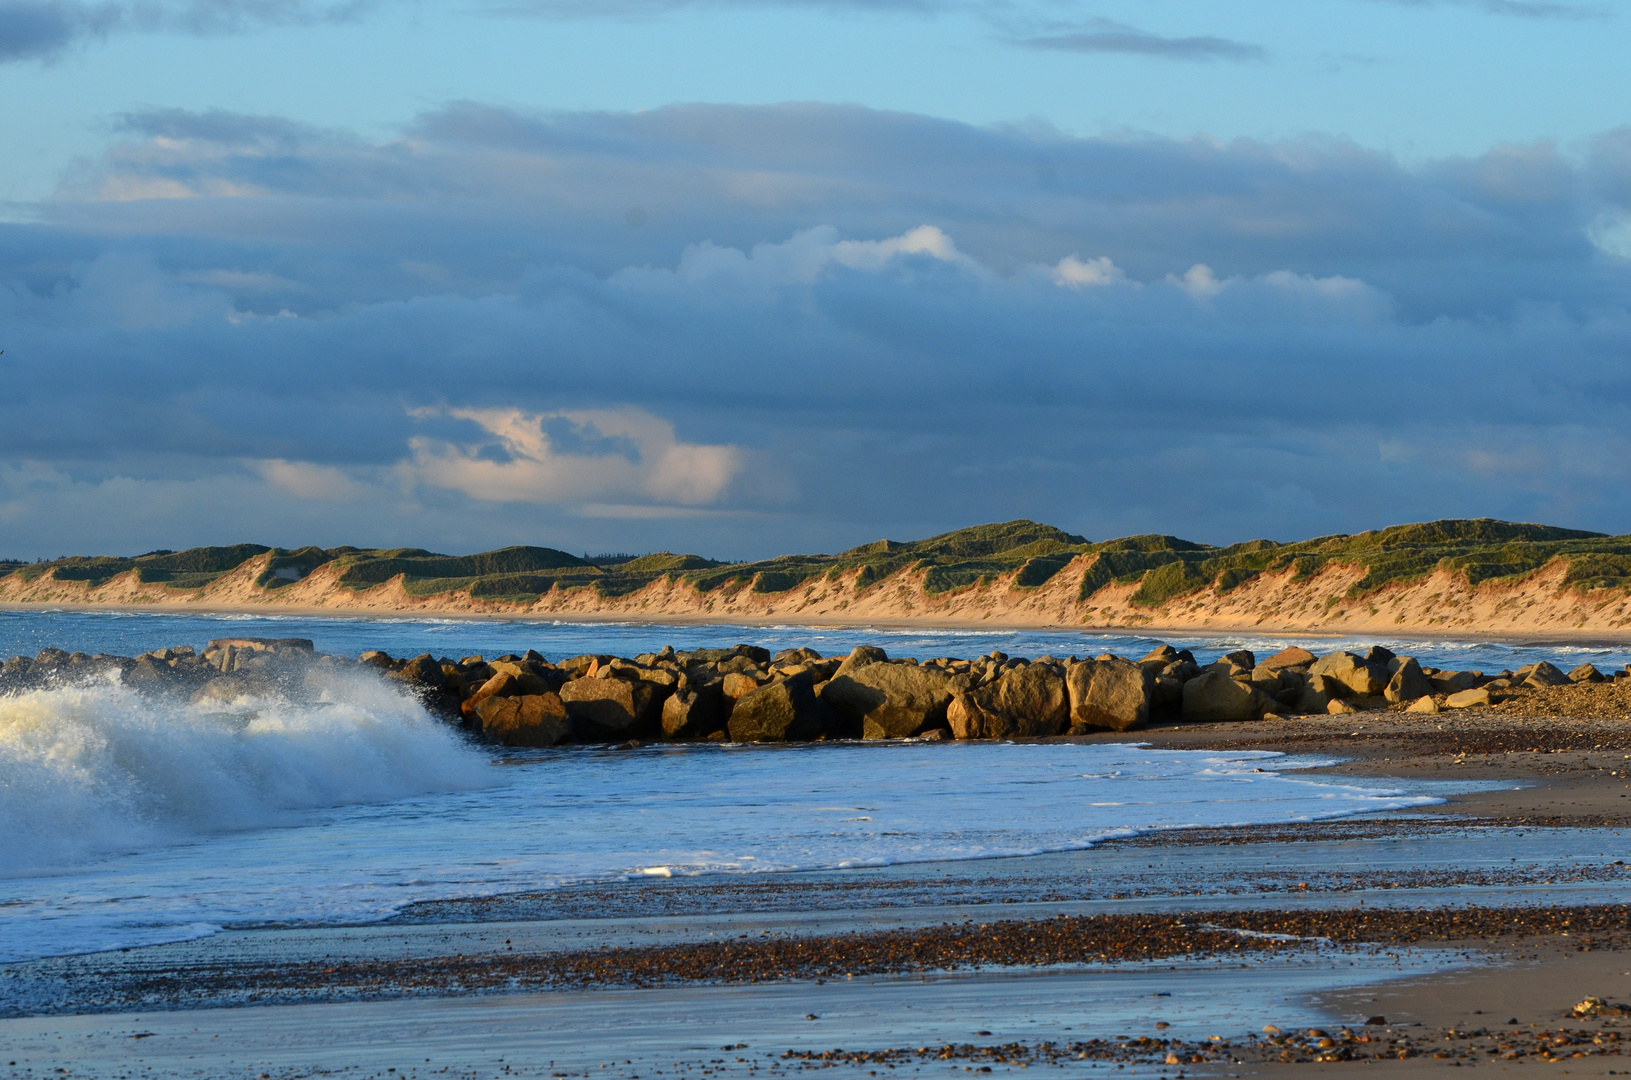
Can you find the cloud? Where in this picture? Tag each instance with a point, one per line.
(585, 457)
(1522, 9)
(1105, 36)
(38, 29)
(830, 324)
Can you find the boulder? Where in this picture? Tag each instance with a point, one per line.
(502, 684)
(1422, 705)
(529, 720)
(1544, 674)
(1215, 696)
(1241, 658)
(611, 710)
(859, 657)
(785, 711)
(1452, 682)
(1338, 707)
(1358, 675)
(1113, 694)
(1408, 682)
(1289, 657)
(695, 713)
(1468, 699)
(1587, 673)
(423, 672)
(1023, 702)
(892, 701)
(737, 683)
(149, 674)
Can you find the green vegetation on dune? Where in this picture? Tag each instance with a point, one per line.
(1162, 568)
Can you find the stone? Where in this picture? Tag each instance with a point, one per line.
(528, 720)
(1166, 693)
(695, 713)
(149, 674)
(1358, 675)
(1377, 656)
(892, 701)
(737, 683)
(611, 710)
(785, 711)
(1241, 658)
(1423, 705)
(1166, 654)
(1338, 707)
(1468, 699)
(1451, 682)
(1215, 696)
(859, 657)
(1587, 673)
(1024, 702)
(1409, 682)
(1113, 694)
(1545, 674)
(422, 672)
(1290, 657)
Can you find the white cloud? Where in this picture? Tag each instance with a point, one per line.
(609, 456)
(1073, 272)
(308, 481)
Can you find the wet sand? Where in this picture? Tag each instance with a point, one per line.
(905, 967)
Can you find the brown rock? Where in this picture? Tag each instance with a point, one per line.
(1290, 657)
(1361, 677)
(1024, 702)
(695, 713)
(1422, 705)
(1587, 673)
(1468, 699)
(1113, 694)
(1215, 696)
(737, 683)
(1544, 674)
(612, 710)
(1408, 682)
(529, 720)
(892, 701)
(785, 711)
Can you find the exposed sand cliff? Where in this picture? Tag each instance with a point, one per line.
(1441, 602)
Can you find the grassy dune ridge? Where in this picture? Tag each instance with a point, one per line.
(1123, 581)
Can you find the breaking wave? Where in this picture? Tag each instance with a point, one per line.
(97, 769)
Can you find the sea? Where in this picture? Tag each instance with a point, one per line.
(128, 821)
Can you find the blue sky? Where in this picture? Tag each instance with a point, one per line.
(747, 277)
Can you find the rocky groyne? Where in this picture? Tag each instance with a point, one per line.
(747, 694)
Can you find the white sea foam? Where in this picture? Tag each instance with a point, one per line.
(547, 819)
(96, 769)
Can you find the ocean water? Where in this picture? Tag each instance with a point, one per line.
(130, 633)
(125, 821)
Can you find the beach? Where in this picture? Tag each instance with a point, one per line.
(881, 965)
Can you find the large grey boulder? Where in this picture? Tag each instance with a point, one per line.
(1359, 675)
(1113, 694)
(1409, 682)
(1215, 696)
(784, 711)
(892, 701)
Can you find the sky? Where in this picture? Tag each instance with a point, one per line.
(746, 277)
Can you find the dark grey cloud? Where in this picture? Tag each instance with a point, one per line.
(748, 329)
(1105, 36)
(36, 29)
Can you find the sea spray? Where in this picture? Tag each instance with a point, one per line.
(96, 769)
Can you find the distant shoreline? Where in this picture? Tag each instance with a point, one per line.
(925, 622)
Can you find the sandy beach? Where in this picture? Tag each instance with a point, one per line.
(1001, 964)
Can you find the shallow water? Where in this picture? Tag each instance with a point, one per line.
(130, 633)
(128, 822)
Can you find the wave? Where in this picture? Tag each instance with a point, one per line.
(96, 770)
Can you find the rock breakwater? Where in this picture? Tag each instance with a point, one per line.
(747, 694)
